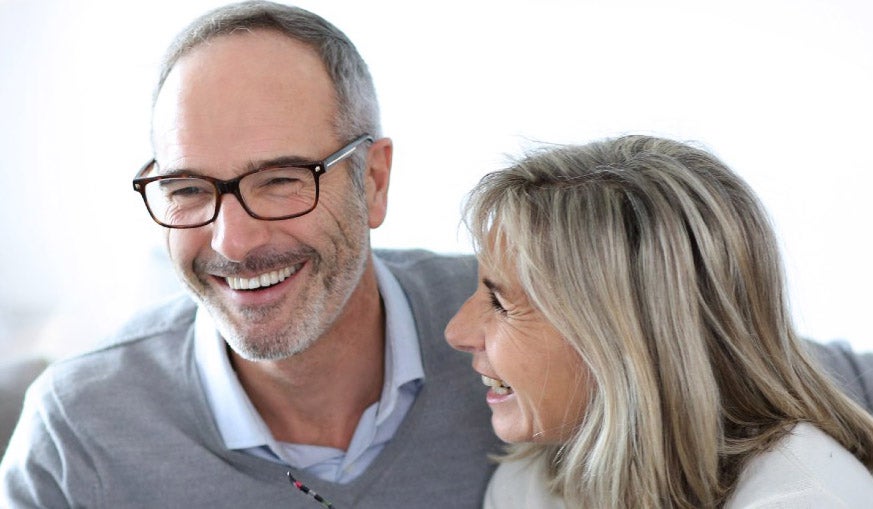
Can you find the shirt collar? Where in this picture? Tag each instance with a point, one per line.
(402, 351)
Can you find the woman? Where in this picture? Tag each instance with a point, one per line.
(632, 325)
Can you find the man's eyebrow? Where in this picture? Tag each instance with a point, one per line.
(281, 161)
(179, 172)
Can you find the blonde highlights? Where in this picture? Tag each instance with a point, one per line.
(659, 265)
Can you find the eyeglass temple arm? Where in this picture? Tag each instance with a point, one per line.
(345, 151)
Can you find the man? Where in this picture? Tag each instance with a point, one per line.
(307, 365)
(305, 353)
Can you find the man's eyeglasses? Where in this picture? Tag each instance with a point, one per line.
(272, 193)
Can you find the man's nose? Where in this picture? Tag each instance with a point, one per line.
(234, 232)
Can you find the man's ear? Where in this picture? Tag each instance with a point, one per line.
(376, 178)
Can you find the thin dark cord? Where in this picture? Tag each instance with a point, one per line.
(305, 489)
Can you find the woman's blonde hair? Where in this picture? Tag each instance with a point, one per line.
(660, 266)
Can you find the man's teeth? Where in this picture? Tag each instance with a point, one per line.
(496, 385)
(262, 281)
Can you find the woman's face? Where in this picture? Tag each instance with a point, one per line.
(538, 382)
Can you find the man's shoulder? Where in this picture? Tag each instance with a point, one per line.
(420, 264)
(410, 258)
(174, 313)
(431, 279)
(151, 337)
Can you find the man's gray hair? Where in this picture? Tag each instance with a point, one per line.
(357, 104)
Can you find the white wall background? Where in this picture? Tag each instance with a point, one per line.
(780, 89)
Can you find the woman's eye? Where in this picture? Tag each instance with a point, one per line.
(495, 302)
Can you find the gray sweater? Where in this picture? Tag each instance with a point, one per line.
(127, 425)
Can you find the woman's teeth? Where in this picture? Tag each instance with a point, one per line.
(262, 281)
(496, 385)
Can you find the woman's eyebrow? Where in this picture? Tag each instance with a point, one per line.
(491, 285)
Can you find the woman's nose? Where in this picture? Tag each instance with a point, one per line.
(461, 332)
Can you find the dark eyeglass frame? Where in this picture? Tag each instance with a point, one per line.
(231, 186)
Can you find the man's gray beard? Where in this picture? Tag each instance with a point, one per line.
(309, 322)
(297, 337)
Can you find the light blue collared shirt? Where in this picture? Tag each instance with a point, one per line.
(242, 428)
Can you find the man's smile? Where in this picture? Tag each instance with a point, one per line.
(264, 280)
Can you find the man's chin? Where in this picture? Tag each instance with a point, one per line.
(259, 350)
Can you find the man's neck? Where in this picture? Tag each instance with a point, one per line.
(318, 396)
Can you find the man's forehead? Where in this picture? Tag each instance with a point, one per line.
(245, 94)
(259, 58)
